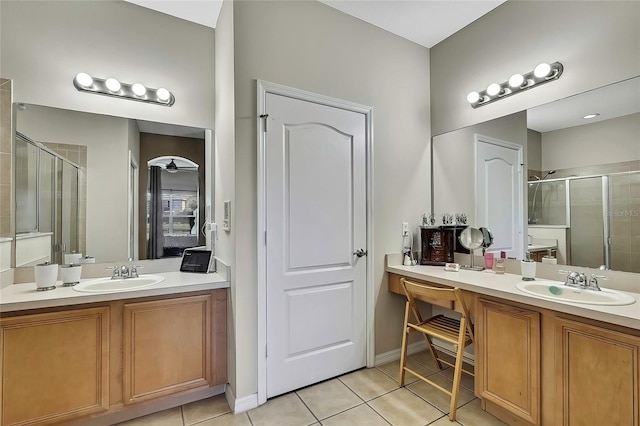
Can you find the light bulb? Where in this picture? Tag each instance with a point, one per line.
(84, 79)
(113, 85)
(516, 80)
(473, 97)
(138, 89)
(542, 70)
(493, 89)
(163, 94)
(588, 116)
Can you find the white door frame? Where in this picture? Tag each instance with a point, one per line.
(132, 221)
(521, 181)
(264, 87)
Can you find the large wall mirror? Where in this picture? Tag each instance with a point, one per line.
(581, 180)
(105, 188)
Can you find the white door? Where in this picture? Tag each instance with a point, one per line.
(499, 193)
(315, 221)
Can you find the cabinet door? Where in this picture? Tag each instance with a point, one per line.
(167, 347)
(597, 378)
(54, 366)
(508, 358)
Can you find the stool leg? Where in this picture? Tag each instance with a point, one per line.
(403, 349)
(457, 372)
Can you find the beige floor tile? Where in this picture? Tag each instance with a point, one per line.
(402, 407)
(472, 415)
(369, 383)
(424, 358)
(172, 417)
(228, 419)
(465, 379)
(360, 415)
(285, 410)
(444, 421)
(329, 398)
(205, 409)
(392, 369)
(435, 396)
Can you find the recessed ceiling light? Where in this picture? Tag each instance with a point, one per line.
(588, 116)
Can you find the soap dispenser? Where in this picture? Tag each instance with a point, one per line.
(528, 268)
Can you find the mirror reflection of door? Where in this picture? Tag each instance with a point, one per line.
(173, 206)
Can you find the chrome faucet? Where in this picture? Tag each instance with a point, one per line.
(124, 271)
(579, 280)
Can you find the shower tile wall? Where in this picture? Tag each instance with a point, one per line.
(5, 158)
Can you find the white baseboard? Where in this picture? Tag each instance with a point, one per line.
(419, 347)
(395, 354)
(240, 405)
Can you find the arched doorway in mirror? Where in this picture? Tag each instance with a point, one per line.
(173, 206)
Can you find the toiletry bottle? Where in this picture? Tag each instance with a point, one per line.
(528, 268)
(499, 266)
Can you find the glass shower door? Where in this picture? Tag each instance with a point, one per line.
(588, 222)
(624, 216)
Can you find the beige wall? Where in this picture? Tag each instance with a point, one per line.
(224, 169)
(604, 142)
(534, 152)
(107, 142)
(597, 41)
(44, 44)
(313, 47)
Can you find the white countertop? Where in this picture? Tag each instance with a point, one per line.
(18, 297)
(504, 287)
(541, 247)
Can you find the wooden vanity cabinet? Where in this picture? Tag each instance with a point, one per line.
(597, 375)
(508, 358)
(54, 366)
(69, 365)
(167, 347)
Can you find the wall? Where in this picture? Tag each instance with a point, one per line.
(534, 153)
(44, 44)
(598, 43)
(313, 47)
(224, 157)
(603, 142)
(107, 142)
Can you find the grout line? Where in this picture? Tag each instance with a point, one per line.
(182, 415)
(307, 407)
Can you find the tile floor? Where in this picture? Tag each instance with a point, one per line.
(368, 397)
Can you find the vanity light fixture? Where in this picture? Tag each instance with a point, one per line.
(543, 73)
(112, 87)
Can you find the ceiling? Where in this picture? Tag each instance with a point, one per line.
(426, 22)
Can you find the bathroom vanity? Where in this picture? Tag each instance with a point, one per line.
(101, 358)
(545, 362)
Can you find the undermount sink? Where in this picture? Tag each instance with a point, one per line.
(555, 290)
(107, 285)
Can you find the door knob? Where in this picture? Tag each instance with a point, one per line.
(360, 252)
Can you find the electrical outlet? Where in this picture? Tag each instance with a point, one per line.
(405, 229)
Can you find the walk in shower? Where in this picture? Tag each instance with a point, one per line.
(600, 212)
(47, 197)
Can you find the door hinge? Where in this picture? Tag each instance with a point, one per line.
(265, 116)
(266, 351)
(265, 238)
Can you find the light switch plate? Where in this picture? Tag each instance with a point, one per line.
(226, 219)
